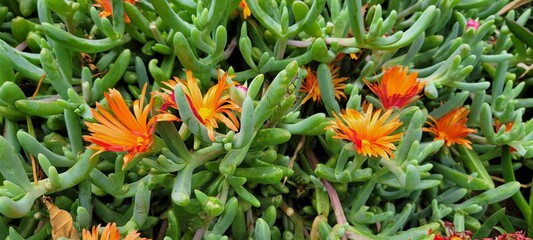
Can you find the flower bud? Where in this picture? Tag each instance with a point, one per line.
(472, 24)
(213, 207)
(238, 93)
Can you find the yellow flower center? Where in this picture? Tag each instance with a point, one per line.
(364, 142)
(204, 112)
(140, 141)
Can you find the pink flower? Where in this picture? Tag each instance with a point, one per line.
(472, 24)
(242, 89)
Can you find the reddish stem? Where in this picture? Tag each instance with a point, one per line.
(333, 196)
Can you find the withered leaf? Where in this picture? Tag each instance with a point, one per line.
(61, 221)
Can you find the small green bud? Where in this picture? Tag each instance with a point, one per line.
(55, 142)
(329, 28)
(227, 146)
(288, 235)
(213, 207)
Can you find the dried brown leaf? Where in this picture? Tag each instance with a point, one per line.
(61, 221)
(512, 5)
(315, 235)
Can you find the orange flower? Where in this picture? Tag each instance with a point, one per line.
(110, 232)
(245, 9)
(498, 125)
(508, 126)
(369, 132)
(310, 84)
(451, 128)
(452, 233)
(107, 8)
(214, 106)
(397, 88)
(122, 130)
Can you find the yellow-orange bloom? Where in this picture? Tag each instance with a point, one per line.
(369, 132)
(110, 232)
(107, 8)
(451, 127)
(245, 9)
(214, 106)
(119, 130)
(397, 88)
(310, 84)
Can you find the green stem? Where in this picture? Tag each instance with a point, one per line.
(508, 175)
(393, 167)
(295, 218)
(69, 20)
(181, 191)
(72, 120)
(208, 153)
(31, 130)
(281, 45)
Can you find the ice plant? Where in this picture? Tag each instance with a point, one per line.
(511, 236)
(110, 232)
(242, 89)
(118, 130)
(507, 126)
(451, 127)
(472, 24)
(397, 88)
(245, 9)
(370, 132)
(310, 84)
(214, 106)
(107, 8)
(452, 233)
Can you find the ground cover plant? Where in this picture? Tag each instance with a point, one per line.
(266, 119)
